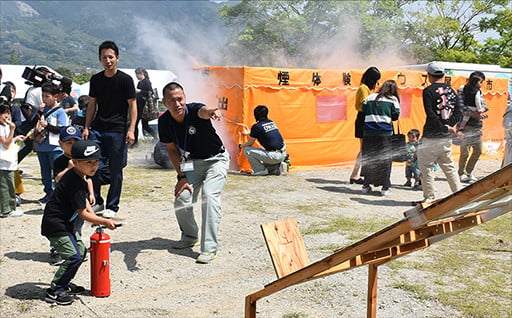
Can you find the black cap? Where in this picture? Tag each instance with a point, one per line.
(85, 150)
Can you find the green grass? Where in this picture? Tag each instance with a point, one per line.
(470, 271)
(350, 226)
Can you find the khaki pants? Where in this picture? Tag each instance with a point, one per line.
(430, 151)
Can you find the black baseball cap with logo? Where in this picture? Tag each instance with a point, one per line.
(85, 150)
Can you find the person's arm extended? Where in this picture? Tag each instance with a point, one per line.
(207, 112)
(88, 215)
(248, 143)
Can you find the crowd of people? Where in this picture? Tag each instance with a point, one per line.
(83, 145)
(451, 117)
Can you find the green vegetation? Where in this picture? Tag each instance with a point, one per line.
(459, 271)
(463, 270)
(344, 225)
(419, 31)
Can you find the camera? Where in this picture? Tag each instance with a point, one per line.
(38, 75)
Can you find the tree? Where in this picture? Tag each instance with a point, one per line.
(293, 32)
(14, 57)
(447, 30)
(498, 50)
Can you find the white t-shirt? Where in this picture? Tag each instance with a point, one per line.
(6, 165)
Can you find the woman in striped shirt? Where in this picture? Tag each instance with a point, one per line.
(380, 110)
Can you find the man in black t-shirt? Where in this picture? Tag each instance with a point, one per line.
(110, 121)
(201, 161)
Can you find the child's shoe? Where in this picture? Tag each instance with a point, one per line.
(74, 289)
(60, 297)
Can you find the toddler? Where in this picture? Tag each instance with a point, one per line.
(411, 166)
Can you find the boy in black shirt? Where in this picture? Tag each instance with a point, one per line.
(70, 197)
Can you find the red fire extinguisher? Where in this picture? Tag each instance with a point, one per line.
(100, 263)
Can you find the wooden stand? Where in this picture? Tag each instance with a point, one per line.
(422, 226)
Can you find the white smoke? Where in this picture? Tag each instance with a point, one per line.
(157, 40)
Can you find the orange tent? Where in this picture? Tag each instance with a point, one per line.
(314, 108)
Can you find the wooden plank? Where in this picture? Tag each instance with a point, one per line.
(350, 255)
(371, 304)
(285, 245)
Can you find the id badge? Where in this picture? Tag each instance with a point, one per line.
(187, 166)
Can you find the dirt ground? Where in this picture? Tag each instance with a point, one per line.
(149, 278)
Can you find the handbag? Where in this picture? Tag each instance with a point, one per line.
(39, 133)
(398, 146)
(150, 110)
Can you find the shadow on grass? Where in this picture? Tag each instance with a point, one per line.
(324, 181)
(382, 202)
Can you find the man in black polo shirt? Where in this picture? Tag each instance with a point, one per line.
(201, 161)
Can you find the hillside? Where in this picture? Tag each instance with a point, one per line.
(66, 34)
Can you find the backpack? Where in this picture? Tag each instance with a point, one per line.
(150, 110)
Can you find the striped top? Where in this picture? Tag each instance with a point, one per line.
(378, 115)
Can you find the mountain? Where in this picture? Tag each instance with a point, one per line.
(66, 34)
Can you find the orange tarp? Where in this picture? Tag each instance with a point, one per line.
(317, 119)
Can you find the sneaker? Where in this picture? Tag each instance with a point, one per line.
(366, 189)
(55, 259)
(18, 200)
(206, 257)
(464, 178)
(182, 244)
(60, 297)
(43, 200)
(472, 178)
(14, 213)
(408, 184)
(283, 168)
(385, 192)
(74, 289)
(109, 214)
(263, 172)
